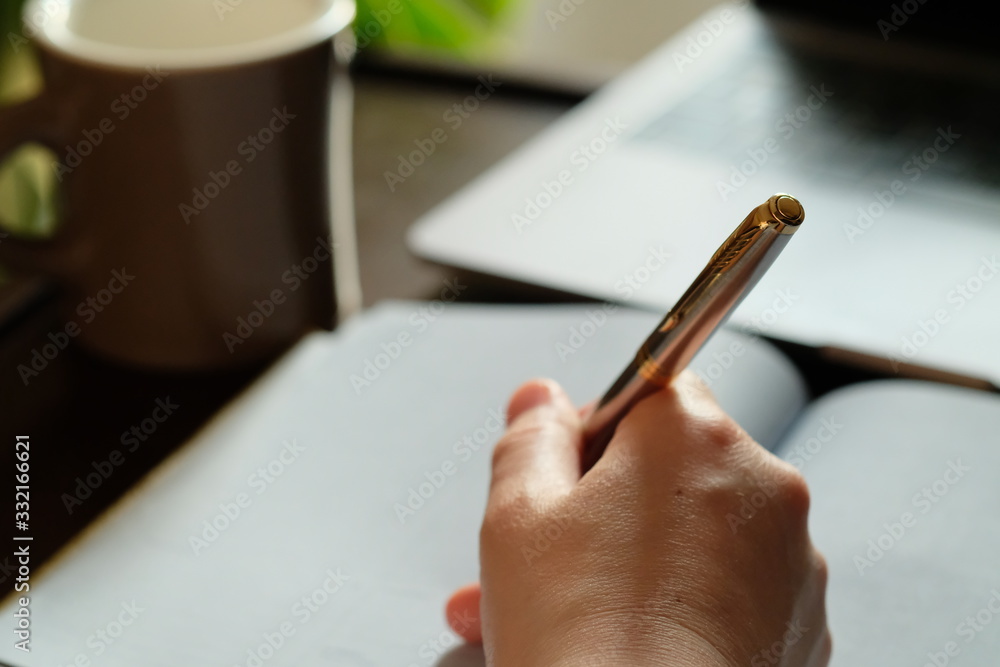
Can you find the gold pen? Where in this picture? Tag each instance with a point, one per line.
(733, 271)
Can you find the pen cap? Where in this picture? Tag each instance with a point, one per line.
(730, 274)
(786, 213)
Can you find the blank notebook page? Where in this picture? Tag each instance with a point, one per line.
(906, 508)
(277, 532)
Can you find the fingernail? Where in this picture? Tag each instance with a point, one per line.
(529, 395)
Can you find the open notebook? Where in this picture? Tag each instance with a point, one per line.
(324, 516)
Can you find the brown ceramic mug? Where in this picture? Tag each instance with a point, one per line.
(192, 145)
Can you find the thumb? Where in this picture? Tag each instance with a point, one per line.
(462, 612)
(539, 455)
(540, 451)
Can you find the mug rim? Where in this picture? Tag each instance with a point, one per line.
(57, 36)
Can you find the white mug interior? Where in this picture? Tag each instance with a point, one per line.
(183, 33)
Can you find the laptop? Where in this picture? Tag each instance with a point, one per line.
(881, 119)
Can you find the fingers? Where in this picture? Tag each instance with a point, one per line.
(462, 612)
(681, 433)
(679, 423)
(539, 455)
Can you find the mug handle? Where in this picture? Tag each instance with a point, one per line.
(31, 121)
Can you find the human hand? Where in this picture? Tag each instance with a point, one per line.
(655, 556)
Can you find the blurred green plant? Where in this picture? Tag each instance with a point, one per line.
(27, 180)
(456, 26)
(19, 75)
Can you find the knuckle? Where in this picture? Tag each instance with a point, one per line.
(821, 568)
(691, 379)
(793, 490)
(826, 649)
(512, 441)
(506, 515)
(500, 452)
(722, 432)
(706, 433)
(507, 522)
(529, 433)
(495, 527)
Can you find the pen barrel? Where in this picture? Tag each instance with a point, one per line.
(730, 275)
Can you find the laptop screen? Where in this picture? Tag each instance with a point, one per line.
(957, 24)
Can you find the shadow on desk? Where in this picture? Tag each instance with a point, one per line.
(95, 429)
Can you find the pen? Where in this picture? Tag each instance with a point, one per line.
(732, 272)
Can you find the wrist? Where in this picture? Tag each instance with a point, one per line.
(635, 643)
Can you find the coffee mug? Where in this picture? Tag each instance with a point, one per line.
(193, 151)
